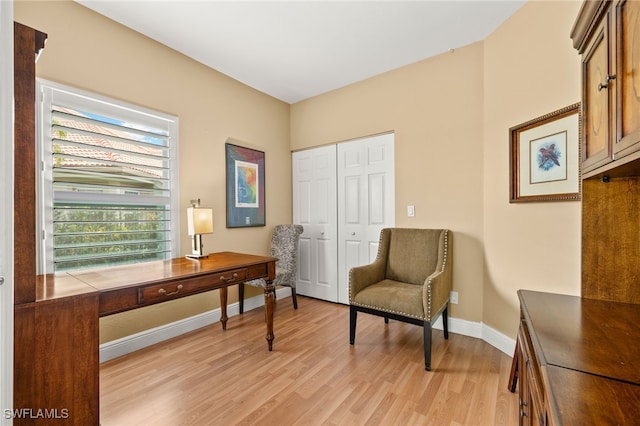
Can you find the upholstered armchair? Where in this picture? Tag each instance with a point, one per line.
(410, 281)
(284, 246)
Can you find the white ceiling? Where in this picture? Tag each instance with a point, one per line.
(293, 50)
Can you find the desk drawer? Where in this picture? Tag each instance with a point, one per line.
(180, 288)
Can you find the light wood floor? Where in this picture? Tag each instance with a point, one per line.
(312, 377)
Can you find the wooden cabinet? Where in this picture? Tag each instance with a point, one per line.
(607, 34)
(577, 360)
(55, 374)
(576, 357)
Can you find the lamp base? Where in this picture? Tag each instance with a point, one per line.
(196, 256)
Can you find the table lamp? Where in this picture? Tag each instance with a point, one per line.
(199, 221)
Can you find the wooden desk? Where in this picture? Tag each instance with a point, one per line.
(123, 288)
(56, 336)
(577, 360)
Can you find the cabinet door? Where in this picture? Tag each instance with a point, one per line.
(627, 81)
(56, 362)
(596, 145)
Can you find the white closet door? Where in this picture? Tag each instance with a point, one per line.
(315, 208)
(366, 202)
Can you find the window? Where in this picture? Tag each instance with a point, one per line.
(108, 191)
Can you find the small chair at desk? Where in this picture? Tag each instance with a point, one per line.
(284, 246)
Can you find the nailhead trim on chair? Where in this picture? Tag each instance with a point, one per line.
(444, 263)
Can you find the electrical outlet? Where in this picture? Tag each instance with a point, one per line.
(411, 211)
(454, 297)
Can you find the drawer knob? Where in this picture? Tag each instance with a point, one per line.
(178, 288)
(228, 280)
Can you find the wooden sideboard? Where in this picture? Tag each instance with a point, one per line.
(577, 360)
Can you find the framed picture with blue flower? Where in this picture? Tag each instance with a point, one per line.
(545, 157)
(245, 187)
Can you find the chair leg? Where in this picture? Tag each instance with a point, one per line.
(445, 322)
(386, 320)
(241, 297)
(353, 316)
(427, 345)
(294, 298)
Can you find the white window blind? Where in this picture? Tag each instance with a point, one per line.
(109, 181)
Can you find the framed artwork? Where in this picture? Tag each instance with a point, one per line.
(545, 157)
(245, 187)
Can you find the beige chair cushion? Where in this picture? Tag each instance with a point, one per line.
(394, 297)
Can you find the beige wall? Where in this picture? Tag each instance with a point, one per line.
(93, 53)
(435, 109)
(530, 70)
(451, 115)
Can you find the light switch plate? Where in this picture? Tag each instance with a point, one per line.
(411, 211)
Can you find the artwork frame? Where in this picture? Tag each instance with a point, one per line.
(545, 157)
(245, 186)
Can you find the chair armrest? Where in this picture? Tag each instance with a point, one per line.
(365, 275)
(437, 287)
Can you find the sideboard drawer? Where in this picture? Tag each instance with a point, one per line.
(173, 290)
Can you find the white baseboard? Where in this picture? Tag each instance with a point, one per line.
(480, 331)
(134, 342)
(125, 345)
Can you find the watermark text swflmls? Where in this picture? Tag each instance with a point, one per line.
(39, 413)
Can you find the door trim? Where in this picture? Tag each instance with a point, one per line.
(6, 213)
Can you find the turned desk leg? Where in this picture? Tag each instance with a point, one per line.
(223, 307)
(269, 297)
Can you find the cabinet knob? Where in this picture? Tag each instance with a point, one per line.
(605, 85)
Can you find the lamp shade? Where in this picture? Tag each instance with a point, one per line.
(199, 220)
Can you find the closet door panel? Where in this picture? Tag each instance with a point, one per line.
(315, 207)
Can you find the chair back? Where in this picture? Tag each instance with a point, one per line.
(284, 246)
(412, 254)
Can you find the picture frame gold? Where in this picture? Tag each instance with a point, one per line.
(545, 155)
